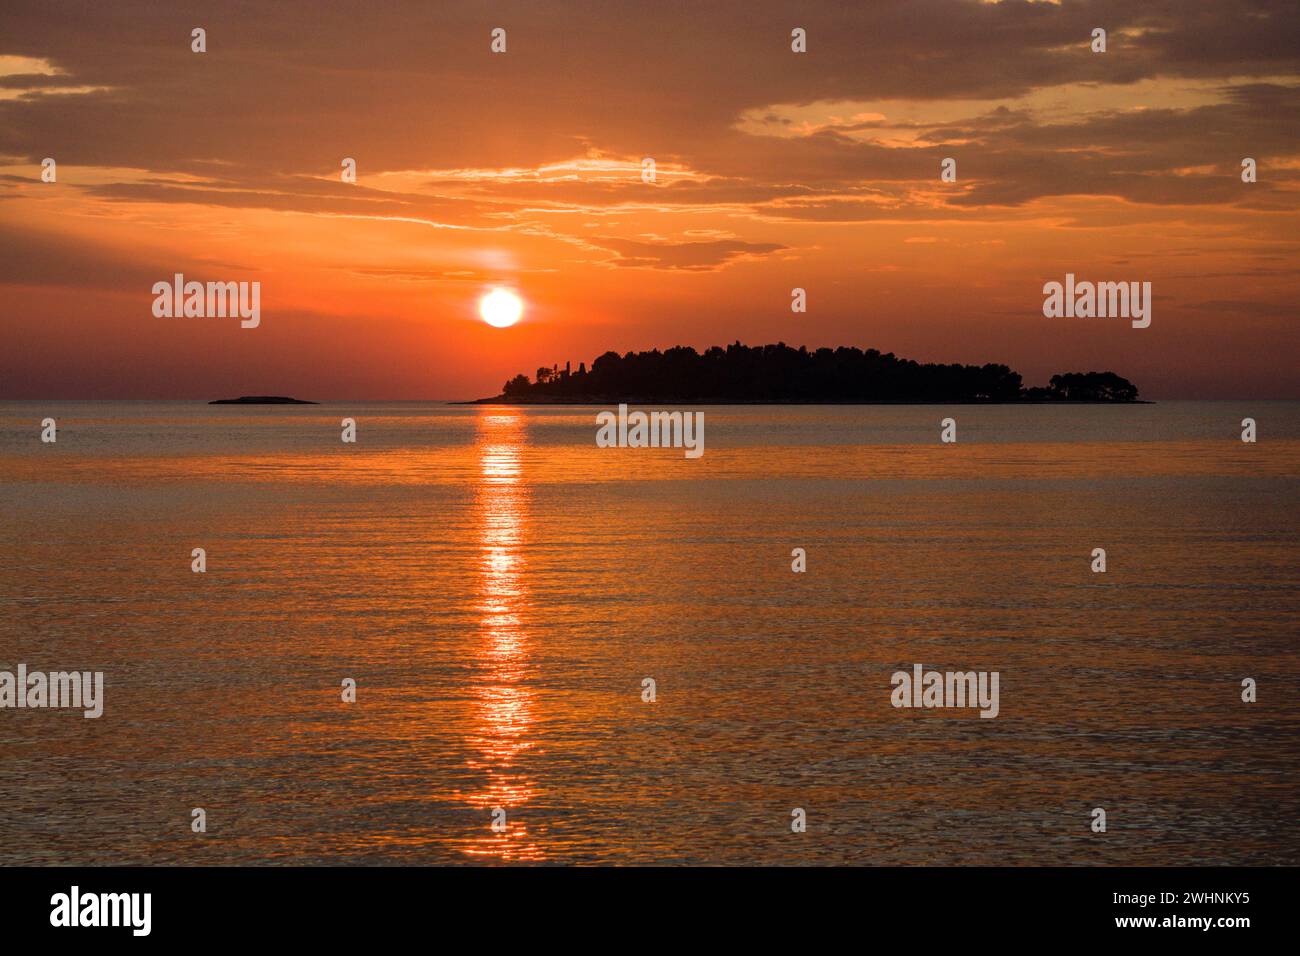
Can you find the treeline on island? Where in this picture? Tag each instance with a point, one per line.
(779, 373)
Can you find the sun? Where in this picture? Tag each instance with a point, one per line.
(501, 308)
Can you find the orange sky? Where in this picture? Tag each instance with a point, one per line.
(774, 170)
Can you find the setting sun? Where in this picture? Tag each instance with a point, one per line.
(501, 308)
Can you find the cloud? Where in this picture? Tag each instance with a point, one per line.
(692, 256)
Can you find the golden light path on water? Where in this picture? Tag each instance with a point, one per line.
(504, 701)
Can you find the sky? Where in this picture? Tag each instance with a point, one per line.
(773, 170)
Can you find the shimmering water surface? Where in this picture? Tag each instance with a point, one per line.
(499, 587)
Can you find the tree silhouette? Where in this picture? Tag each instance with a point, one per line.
(780, 373)
(518, 385)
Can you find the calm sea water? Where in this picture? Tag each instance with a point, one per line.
(499, 587)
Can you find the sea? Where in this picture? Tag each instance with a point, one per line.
(474, 637)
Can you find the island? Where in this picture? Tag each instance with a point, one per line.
(781, 374)
(261, 400)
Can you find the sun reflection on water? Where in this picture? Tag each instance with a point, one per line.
(503, 698)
